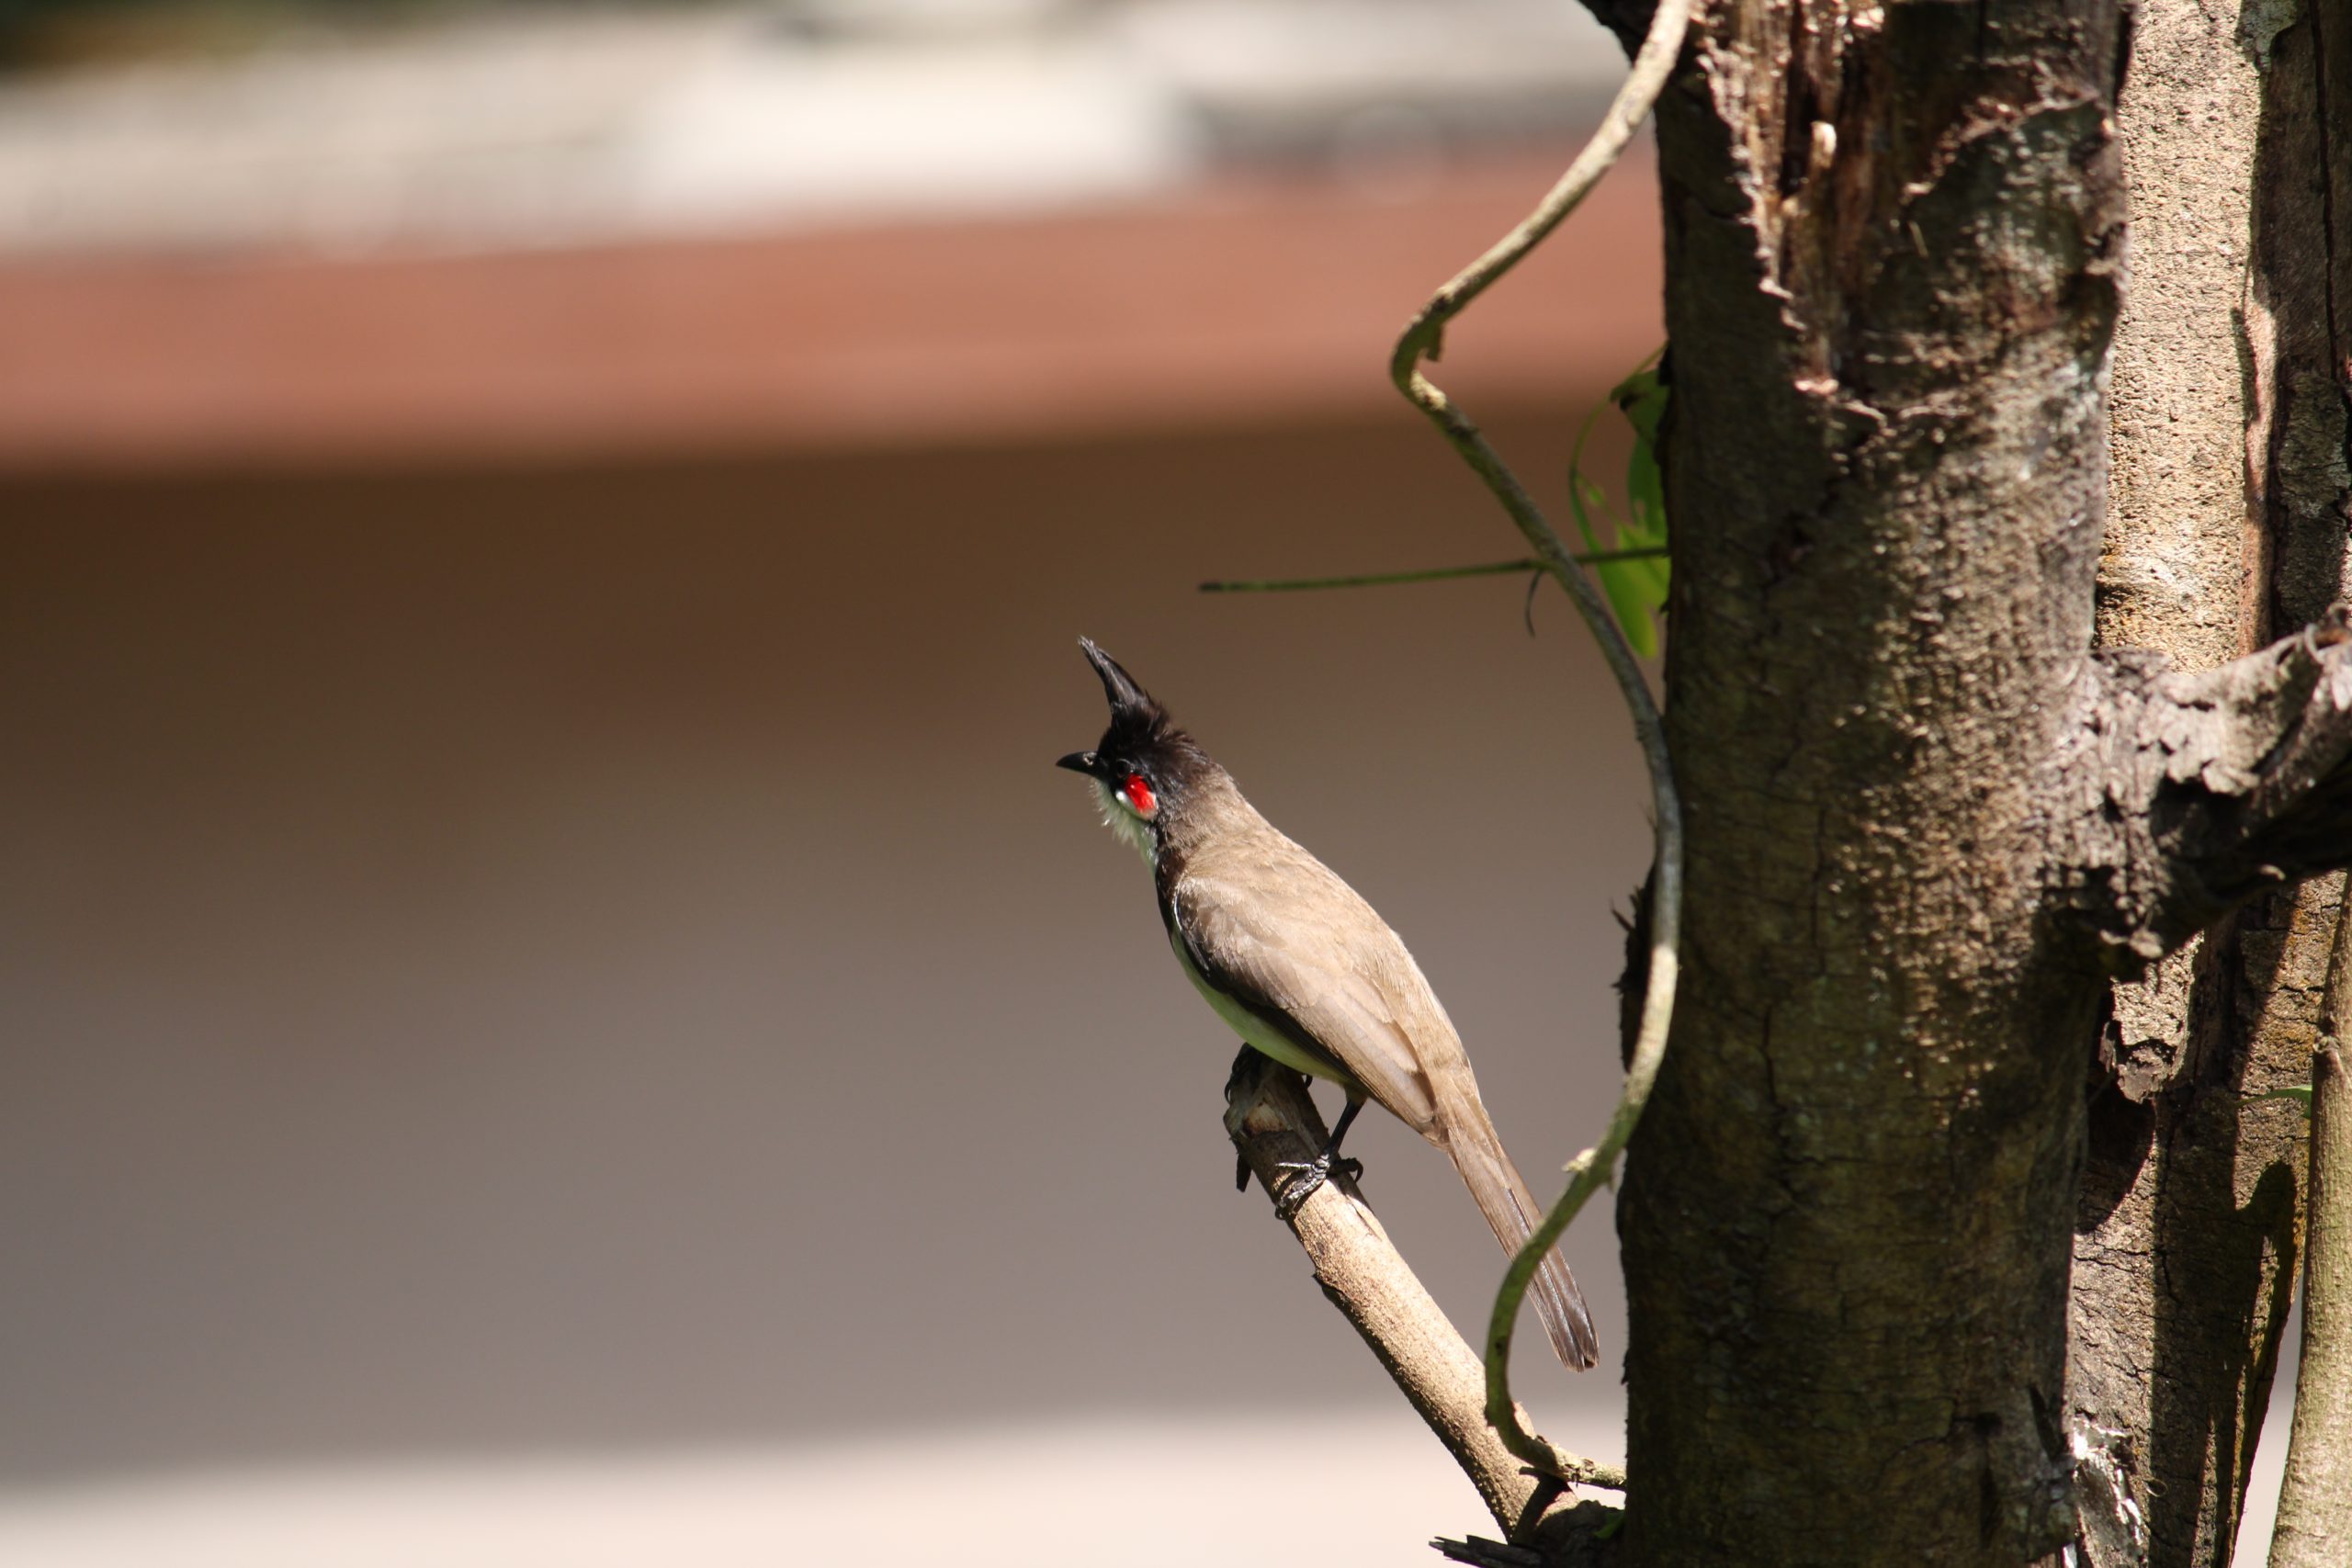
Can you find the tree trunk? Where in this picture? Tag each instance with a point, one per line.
(1930, 827)
(1892, 249)
(1894, 252)
(2227, 525)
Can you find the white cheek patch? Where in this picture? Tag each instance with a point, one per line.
(1120, 815)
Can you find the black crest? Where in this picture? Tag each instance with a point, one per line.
(1139, 723)
(1141, 738)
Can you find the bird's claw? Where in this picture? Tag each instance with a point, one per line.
(1299, 1183)
(1303, 1177)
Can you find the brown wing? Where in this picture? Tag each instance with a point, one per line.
(1276, 930)
(1286, 937)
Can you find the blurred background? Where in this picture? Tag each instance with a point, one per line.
(556, 1009)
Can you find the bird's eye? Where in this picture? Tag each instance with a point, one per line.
(1139, 794)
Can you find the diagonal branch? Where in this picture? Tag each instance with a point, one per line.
(1274, 1126)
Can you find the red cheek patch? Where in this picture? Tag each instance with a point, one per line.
(1139, 795)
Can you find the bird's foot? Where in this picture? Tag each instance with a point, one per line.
(1301, 1180)
(1299, 1183)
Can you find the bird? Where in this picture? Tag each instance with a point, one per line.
(1305, 971)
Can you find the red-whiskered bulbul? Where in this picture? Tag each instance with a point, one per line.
(1302, 969)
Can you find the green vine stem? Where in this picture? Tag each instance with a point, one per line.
(1423, 340)
(1433, 574)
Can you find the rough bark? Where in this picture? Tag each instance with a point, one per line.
(1893, 259)
(2227, 520)
(1927, 832)
(1926, 826)
(2181, 1285)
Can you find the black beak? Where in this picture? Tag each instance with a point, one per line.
(1080, 763)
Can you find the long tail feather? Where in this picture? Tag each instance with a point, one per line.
(1510, 1209)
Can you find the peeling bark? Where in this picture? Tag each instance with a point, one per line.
(2182, 795)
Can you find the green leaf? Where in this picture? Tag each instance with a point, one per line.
(1633, 604)
(1636, 590)
(1647, 531)
(1585, 497)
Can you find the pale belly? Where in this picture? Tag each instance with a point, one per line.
(1255, 1030)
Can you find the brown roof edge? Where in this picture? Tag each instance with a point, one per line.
(1266, 302)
